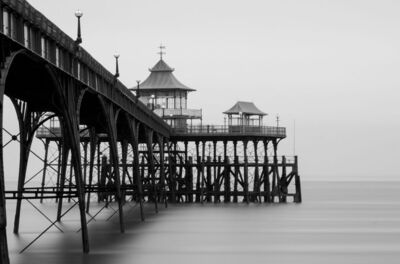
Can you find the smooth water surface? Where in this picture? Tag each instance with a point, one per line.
(336, 223)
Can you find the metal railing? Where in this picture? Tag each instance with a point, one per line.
(169, 113)
(231, 130)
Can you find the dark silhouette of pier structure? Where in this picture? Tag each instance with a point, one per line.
(112, 147)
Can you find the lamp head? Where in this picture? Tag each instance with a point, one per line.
(78, 13)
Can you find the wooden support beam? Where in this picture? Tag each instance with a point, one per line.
(245, 174)
(217, 179)
(209, 181)
(267, 184)
(227, 181)
(236, 179)
(189, 180)
(297, 197)
(283, 182)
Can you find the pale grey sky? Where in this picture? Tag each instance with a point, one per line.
(333, 66)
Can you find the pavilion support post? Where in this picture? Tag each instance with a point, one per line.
(198, 172)
(227, 181)
(236, 174)
(217, 179)
(276, 192)
(236, 180)
(45, 164)
(267, 184)
(256, 184)
(283, 182)
(186, 149)
(225, 147)
(149, 139)
(297, 196)
(189, 180)
(202, 179)
(245, 174)
(93, 144)
(214, 160)
(209, 184)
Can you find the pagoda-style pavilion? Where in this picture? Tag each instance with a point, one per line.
(167, 96)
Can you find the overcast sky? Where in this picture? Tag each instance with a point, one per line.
(332, 66)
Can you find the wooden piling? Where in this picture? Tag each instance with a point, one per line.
(227, 181)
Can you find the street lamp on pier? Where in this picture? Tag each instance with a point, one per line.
(116, 56)
(137, 89)
(79, 14)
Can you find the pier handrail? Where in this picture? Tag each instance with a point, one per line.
(232, 130)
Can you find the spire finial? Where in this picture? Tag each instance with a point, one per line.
(161, 52)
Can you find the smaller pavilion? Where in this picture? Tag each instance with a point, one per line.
(244, 114)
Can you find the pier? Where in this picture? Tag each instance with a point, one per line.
(106, 142)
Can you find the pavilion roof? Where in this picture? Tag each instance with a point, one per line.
(162, 78)
(247, 108)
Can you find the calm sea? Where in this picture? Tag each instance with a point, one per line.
(341, 222)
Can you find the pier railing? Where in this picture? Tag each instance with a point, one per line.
(167, 112)
(231, 130)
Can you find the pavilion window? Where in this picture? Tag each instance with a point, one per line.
(184, 106)
(96, 82)
(44, 47)
(27, 40)
(13, 26)
(170, 103)
(78, 70)
(57, 56)
(33, 39)
(6, 22)
(178, 103)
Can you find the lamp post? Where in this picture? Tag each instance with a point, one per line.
(116, 56)
(163, 109)
(153, 101)
(137, 89)
(79, 14)
(277, 124)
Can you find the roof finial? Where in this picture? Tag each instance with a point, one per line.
(161, 52)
